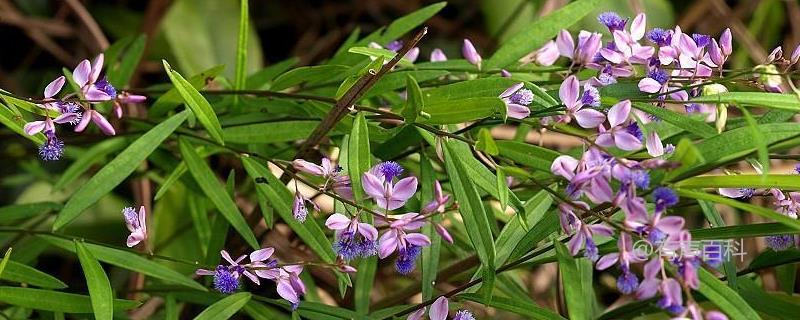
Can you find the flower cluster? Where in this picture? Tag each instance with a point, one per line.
(261, 265)
(355, 238)
(599, 177)
(78, 108)
(439, 311)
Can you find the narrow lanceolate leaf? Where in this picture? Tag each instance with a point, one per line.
(471, 208)
(414, 102)
(462, 110)
(172, 98)
(225, 308)
(213, 189)
(761, 211)
(17, 212)
(527, 154)
(21, 273)
(128, 260)
(307, 75)
(784, 182)
(117, 170)
(573, 288)
(538, 32)
(742, 231)
(724, 297)
(715, 220)
(92, 156)
(5, 261)
(359, 160)
(358, 154)
(430, 254)
(97, 282)
(40, 299)
(519, 306)
(241, 51)
(681, 121)
(758, 99)
(14, 122)
(123, 72)
(197, 103)
(486, 142)
(759, 140)
(270, 132)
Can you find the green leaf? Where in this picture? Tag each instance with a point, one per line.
(241, 51)
(48, 300)
(21, 273)
(396, 80)
(479, 88)
(518, 306)
(225, 308)
(734, 144)
(538, 32)
(715, 220)
(527, 154)
(17, 212)
(763, 302)
(16, 123)
(761, 211)
(270, 132)
(308, 75)
(172, 98)
(94, 155)
(724, 297)
(741, 231)
(462, 110)
(213, 189)
(117, 170)
(486, 142)
(128, 260)
(502, 188)
(180, 169)
(514, 235)
(5, 261)
(97, 282)
(759, 140)
(262, 79)
(414, 103)
(359, 160)
(770, 100)
(785, 182)
(430, 254)
(476, 219)
(197, 103)
(573, 287)
(123, 71)
(681, 121)
(379, 53)
(687, 155)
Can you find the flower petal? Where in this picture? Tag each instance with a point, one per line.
(649, 85)
(54, 87)
(373, 186)
(103, 124)
(34, 127)
(638, 26)
(97, 66)
(337, 221)
(261, 254)
(568, 92)
(307, 167)
(81, 73)
(439, 309)
(418, 239)
(589, 118)
(626, 141)
(607, 261)
(619, 113)
(565, 44)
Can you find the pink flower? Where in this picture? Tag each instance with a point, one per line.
(379, 185)
(353, 238)
(622, 135)
(406, 244)
(137, 225)
(574, 102)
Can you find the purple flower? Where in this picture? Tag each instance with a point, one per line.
(353, 238)
(702, 40)
(547, 54)
(52, 149)
(672, 299)
(469, 53)
(517, 100)
(98, 120)
(225, 281)
(725, 42)
(660, 37)
(394, 45)
(439, 200)
(589, 176)
(299, 209)
(325, 170)
(780, 242)
(619, 134)
(664, 198)
(52, 89)
(379, 185)
(136, 223)
(437, 55)
(290, 287)
(463, 315)
(627, 281)
(406, 244)
(569, 92)
(612, 21)
(86, 76)
(584, 53)
(583, 232)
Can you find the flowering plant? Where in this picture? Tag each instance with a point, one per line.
(378, 186)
